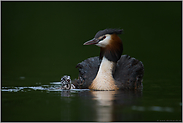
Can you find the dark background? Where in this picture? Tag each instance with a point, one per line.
(42, 41)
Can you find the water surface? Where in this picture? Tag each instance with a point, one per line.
(48, 103)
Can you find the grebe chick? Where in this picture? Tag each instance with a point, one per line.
(109, 71)
(66, 83)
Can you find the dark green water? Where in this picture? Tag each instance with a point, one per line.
(42, 41)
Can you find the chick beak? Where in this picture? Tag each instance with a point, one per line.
(90, 42)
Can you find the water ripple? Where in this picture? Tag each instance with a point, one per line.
(153, 108)
(54, 86)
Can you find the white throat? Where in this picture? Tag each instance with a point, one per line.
(104, 79)
(106, 67)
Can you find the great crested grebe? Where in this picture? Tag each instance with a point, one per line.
(109, 71)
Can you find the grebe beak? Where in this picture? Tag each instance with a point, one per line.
(93, 41)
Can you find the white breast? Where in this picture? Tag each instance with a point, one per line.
(104, 79)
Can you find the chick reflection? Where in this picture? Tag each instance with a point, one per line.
(104, 104)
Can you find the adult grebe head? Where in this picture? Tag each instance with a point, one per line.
(110, 44)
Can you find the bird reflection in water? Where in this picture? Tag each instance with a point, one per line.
(108, 102)
(104, 104)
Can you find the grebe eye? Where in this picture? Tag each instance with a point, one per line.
(102, 38)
